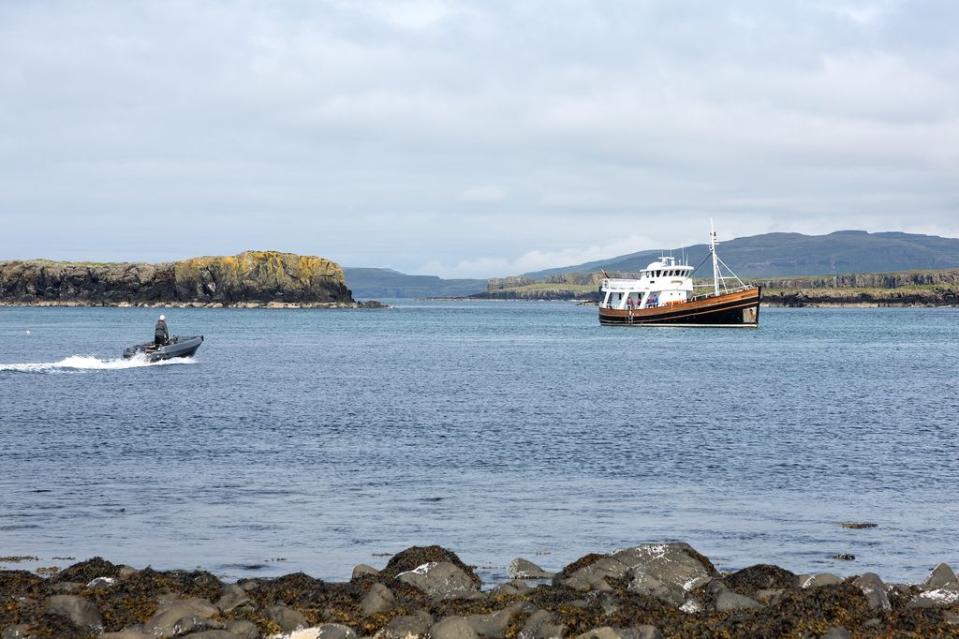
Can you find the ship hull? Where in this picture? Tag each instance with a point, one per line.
(739, 309)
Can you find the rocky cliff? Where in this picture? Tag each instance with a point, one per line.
(252, 278)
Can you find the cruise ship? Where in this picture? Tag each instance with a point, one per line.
(665, 295)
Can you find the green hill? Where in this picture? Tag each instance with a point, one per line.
(378, 283)
(779, 254)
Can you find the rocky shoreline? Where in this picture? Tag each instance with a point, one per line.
(252, 279)
(278, 305)
(644, 592)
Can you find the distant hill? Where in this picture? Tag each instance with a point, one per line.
(367, 283)
(780, 254)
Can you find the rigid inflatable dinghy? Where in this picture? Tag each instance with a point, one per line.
(176, 347)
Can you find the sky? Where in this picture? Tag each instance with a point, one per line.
(469, 139)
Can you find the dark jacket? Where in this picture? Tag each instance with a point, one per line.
(160, 333)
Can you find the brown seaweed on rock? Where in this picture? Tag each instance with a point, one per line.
(19, 589)
(87, 571)
(134, 600)
(751, 580)
(57, 627)
(810, 612)
(415, 556)
(582, 562)
(295, 589)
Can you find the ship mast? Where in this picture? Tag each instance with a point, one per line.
(712, 249)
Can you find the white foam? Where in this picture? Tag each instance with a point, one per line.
(691, 607)
(90, 363)
(941, 596)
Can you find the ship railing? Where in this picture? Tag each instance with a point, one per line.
(702, 296)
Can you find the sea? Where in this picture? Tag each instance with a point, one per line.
(314, 440)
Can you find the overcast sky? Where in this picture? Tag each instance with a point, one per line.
(469, 139)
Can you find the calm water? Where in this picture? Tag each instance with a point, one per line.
(497, 429)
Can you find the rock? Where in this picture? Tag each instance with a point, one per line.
(689, 586)
(440, 580)
(65, 587)
(127, 634)
(728, 600)
(674, 565)
(297, 589)
(939, 598)
(329, 631)
(950, 618)
(494, 624)
(593, 577)
(286, 618)
(820, 579)
(233, 597)
(845, 556)
(521, 568)
(515, 587)
(179, 616)
(453, 628)
(607, 632)
(751, 580)
(416, 556)
(211, 634)
(80, 611)
(243, 629)
(858, 525)
(255, 278)
(88, 570)
(941, 576)
(249, 585)
(837, 632)
(767, 595)
(125, 572)
(415, 625)
(542, 625)
(362, 570)
(644, 584)
(874, 589)
(18, 631)
(378, 599)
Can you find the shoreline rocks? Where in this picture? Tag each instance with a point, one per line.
(651, 591)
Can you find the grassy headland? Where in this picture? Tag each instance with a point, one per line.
(904, 288)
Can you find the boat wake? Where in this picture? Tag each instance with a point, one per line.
(82, 363)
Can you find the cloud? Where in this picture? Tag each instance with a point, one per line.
(483, 194)
(534, 260)
(469, 135)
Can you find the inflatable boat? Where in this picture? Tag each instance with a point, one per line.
(176, 347)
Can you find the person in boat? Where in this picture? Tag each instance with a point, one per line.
(160, 334)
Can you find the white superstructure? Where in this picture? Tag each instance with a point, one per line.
(662, 283)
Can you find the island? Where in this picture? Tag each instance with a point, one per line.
(250, 279)
(904, 288)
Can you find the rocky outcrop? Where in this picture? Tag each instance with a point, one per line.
(252, 278)
(595, 597)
